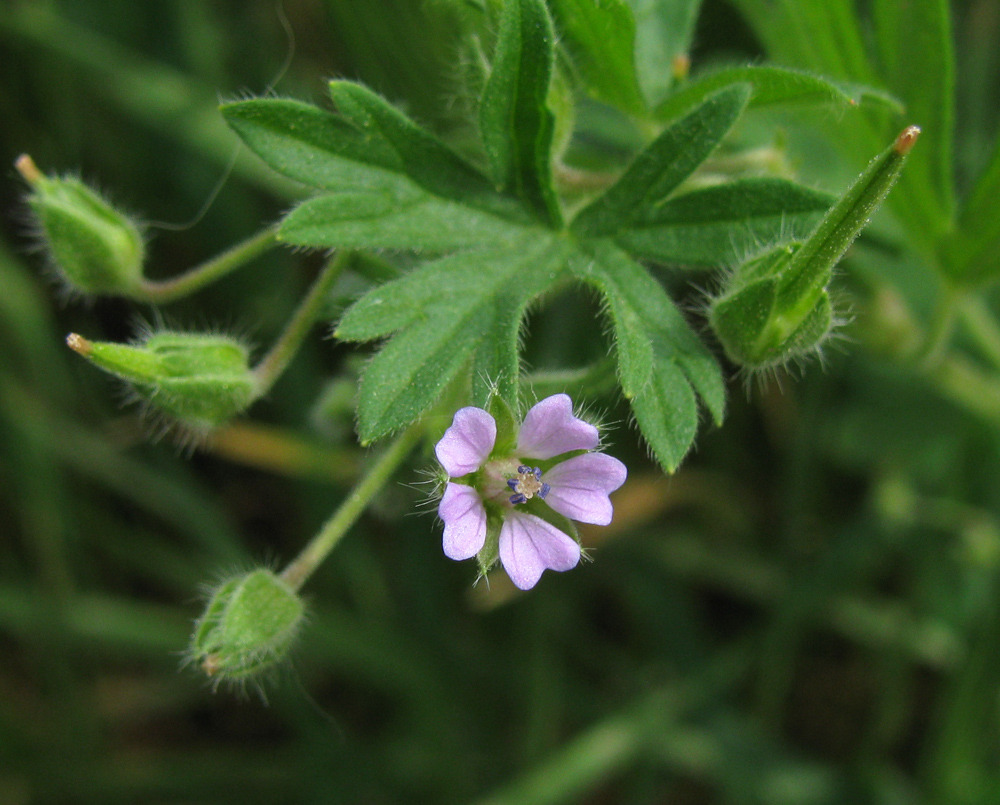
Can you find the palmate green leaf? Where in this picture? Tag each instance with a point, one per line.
(601, 38)
(514, 117)
(658, 170)
(461, 310)
(393, 184)
(718, 225)
(773, 85)
(662, 363)
(401, 216)
(663, 32)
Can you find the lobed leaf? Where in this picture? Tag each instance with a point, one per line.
(658, 170)
(718, 225)
(824, 37)
(394, 184)
(663, 32)
(601, 38)
(662, 363)
(461, 308)
(773, 85)
(333, 151)
(515, 121)
(402, 216)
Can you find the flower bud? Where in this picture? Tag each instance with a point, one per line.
(95, 248)
(757, 325)
(775, 306)
(248, 627)
(199, 380)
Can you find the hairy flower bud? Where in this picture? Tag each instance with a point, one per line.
(248, 627)
(199, 380)
(95, 248)
(758, 325)
(775, 307)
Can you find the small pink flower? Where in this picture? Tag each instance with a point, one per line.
(576, 488)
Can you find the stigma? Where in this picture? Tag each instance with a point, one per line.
(527, 484)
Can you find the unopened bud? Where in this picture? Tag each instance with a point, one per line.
(756, 326)
(775, 306)
(200, 380)
(248, 627)
(95, 248)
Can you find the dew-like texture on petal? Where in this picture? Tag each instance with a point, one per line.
(579, 487)
(550, 429)
(464, 521)
(466, 444)
(529, 546)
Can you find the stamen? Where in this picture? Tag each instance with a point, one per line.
(527, 484)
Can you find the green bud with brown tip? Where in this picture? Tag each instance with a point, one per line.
(775, 306)
(199, 380)
(248, 628)
(95, 248)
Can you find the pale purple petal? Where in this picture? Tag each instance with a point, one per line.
(550, 429)
(579, 487)
(464, 521)
(529, 545)
(467, 443)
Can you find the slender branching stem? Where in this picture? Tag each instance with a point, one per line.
(284, 349)
(350, 510)
(163, 291)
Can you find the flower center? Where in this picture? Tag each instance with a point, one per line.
(527, 484)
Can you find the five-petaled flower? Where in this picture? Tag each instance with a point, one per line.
(503, 487)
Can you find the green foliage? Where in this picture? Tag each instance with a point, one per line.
(804, 613)
(661, 361)
(771, 86)
(663, 33)
(516, 122)
(658, 170)
(718, 225)
(445, 313)
(911, 53)
(392, 184)
(601, 38)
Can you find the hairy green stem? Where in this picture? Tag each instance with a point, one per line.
(162, 291)
(284, 349)
(350, 510)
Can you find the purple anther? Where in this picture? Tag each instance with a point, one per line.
(522, 468)
(538, 474)
(513, 482)
(518, 498)
(544, 491)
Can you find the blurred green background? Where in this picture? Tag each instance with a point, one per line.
(806, 613)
